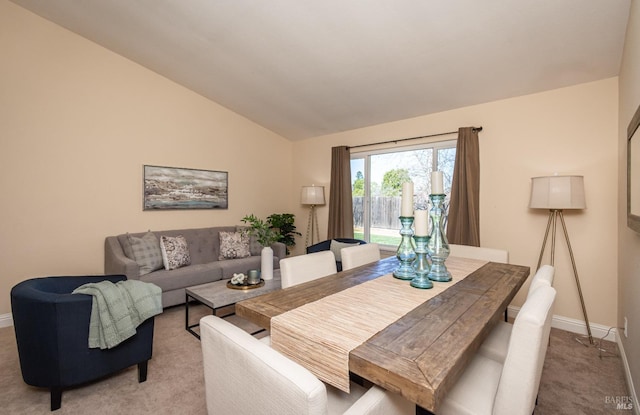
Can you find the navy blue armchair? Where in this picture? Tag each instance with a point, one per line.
(326, 246)
(52, 331)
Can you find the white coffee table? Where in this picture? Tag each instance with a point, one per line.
(216, 295)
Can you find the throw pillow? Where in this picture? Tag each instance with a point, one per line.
(254, 246)
(175, 251)
(146, 252)
(337, 246)
(234, 245)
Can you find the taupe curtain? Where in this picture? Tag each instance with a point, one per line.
(463, 227)
(340, 199)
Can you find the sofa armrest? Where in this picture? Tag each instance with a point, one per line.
(279, 250)
(116, 262)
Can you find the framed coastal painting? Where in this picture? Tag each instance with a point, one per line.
(168, 188)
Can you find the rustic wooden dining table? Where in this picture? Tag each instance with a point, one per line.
(422, 353)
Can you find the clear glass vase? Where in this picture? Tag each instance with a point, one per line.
(421, 264)
(406, 253)
(438, 246)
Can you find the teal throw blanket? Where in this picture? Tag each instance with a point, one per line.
(118, 309)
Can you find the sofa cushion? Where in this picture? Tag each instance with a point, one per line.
(175, 251)
(234, 245)
(146, 252)
(255, 248)
(204, 243)
(181, 278)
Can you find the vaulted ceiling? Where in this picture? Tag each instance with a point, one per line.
(309, 68)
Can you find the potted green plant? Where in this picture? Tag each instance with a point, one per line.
(262, 230)
(286, 230)
(265, 236)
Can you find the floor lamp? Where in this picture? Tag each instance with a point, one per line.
(312, 196)
(557, 193)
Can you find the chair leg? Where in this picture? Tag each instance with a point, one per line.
(142, 371)
(56, 398)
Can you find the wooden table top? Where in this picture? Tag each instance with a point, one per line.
(259, 310)
(423, 353)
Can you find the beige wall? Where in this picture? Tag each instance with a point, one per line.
(629, 241)
(568, 131)
(78, 122)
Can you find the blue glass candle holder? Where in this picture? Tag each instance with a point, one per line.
(406, 253)
(421, 264)
(438, 246)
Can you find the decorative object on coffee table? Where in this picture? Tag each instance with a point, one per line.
(253, 276)
(245, 286)
(265, 236)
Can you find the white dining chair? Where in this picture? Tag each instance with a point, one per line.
(354, 256)
(488, 387)
(496, 344)
(477, 252)
(302, 268)
(244, 376)
(543, 276)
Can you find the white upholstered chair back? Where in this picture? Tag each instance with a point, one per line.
(244, 376)
(520, 378)
(544, 276)
(477, 252)
(496, 344)
(354, 256)
(302, 268)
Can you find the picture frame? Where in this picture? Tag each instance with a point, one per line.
(633, 172)
(176, 188)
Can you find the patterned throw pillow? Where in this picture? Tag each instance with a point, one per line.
(254, 246)
(175, 252)
(146, 252)
(337, 246)
(234, 245)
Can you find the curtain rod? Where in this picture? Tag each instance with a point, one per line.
(475, 129)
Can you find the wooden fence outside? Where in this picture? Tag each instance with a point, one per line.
(384, 212)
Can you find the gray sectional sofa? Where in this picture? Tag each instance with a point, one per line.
(204, 250)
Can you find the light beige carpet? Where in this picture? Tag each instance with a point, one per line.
(575, 380)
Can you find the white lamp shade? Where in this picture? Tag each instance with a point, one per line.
(557, 192)
(312, 195)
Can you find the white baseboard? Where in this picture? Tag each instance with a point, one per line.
(6, 320)
(576, 326)
(627, 375)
